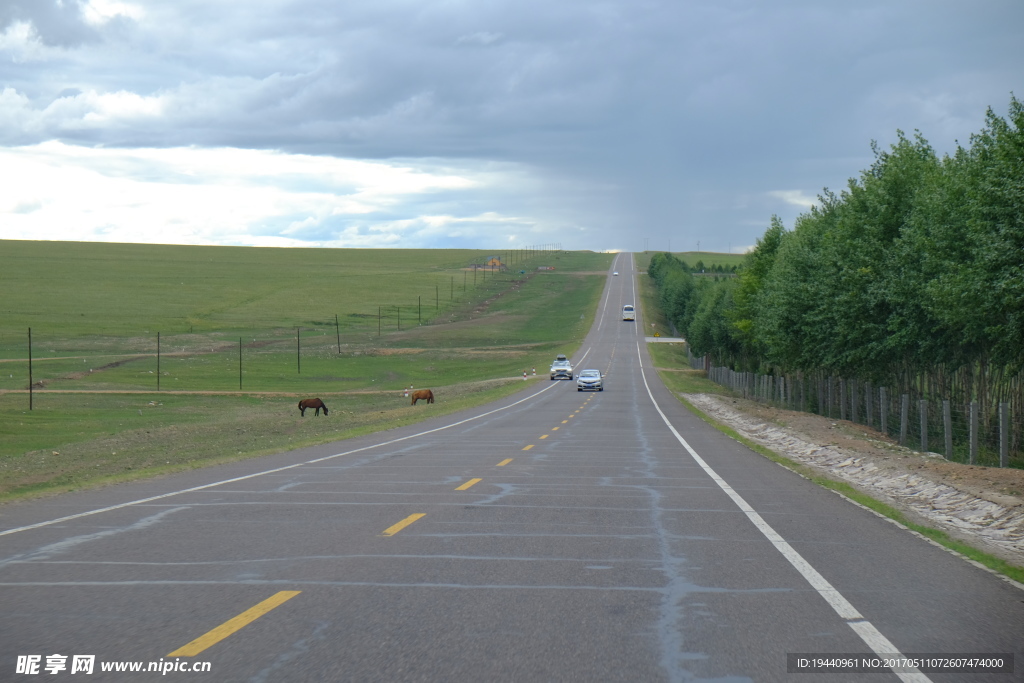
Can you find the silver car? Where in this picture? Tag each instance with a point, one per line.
(590, 380)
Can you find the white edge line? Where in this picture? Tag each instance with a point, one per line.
(871, 636)
(276, 469)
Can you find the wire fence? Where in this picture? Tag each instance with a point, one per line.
(956, 426)
(344, 349)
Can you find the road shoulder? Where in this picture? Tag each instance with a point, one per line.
(980, 506)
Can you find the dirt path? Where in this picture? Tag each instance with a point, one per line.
(982, 506)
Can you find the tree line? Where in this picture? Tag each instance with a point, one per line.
(912, 276)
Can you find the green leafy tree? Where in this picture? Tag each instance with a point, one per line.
(757, 265)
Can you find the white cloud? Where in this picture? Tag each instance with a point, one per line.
(235, 196)
(98, 12)
(21, 43)
(794, 197)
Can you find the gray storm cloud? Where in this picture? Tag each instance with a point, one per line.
(690, 120)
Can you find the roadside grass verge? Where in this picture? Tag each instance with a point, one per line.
(655, 320)
(675, 371)
(121, 437)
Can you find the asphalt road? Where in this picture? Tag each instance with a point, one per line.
(552, 536)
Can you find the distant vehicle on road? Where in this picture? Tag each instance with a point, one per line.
(628, 313)
(615, 273)
(561, 369)
(590, 380)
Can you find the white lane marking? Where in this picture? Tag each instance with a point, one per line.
(871, 636)
(272, 471)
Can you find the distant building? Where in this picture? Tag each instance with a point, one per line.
(491, 262)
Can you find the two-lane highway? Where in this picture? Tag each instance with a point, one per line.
(555, 535)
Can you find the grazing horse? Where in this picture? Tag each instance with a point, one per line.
(311, 403)
(425, 394)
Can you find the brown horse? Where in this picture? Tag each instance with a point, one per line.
(425, 394)
(311, 403)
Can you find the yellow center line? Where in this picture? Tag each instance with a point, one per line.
(230, 626)
(564, 421)
(504, 462)
(468, 484)
(528, 447)
(394, 529)
(543, 436)
(554, 429)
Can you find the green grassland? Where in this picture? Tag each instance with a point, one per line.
(265, 319)
(709, 258)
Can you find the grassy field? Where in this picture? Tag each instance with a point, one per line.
(258, 326)
(709, 259)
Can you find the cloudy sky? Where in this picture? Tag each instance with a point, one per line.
(473, 123)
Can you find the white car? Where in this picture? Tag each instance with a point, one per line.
(628, 313)
(615, 273)
(590, 380)
(561, 369)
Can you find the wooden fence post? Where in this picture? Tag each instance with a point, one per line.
(842, 399)
(974, 432)
(922, 407)
(30, 368)
(904, 414)
(868, 404)
(947, 424)
(854, 400)
(883, 409)
(1004, 434)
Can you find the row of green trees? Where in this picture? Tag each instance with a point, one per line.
(912, 276)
